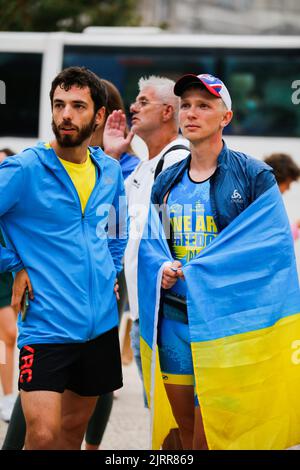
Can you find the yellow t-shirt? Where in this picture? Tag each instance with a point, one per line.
(83, 176)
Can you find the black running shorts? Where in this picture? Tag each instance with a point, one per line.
(88, 369)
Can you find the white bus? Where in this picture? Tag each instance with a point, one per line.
(261, 72)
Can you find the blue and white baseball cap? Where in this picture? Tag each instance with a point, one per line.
(214, 85)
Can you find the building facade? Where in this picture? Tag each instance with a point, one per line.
(223, 16)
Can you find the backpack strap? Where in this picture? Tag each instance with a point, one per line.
(161, 161)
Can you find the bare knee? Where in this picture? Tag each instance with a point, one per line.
(8, 329)
(41, 438)
(10, 336)
(42, 411)
(72, 431)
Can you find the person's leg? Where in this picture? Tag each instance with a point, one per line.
(172, 441)
(8, 332)
(123, 295)
(42, 410)
(188, 416)
(181, 398)
(98, 421)
(45, 371)
(199, 440)
(15, 434)
(126, 353)
(76, 412)
(135, 344)
(178, 374)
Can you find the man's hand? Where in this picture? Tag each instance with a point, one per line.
(171, 274)
(115, 141)
(21, 283)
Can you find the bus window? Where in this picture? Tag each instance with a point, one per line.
(259, 80)
(124, 66)
(260, 85)
(21, 73)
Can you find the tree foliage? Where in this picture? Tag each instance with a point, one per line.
(65, 15)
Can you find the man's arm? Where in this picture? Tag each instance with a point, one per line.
(11, 188)
(264, 181)
(261, 177)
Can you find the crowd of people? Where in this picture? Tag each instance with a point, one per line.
(73, 213)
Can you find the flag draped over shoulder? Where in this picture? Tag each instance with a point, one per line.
(244, 319)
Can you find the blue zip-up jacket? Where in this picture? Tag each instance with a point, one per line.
(237, 181)
(71, 259)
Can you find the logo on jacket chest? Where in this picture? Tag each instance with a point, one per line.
(236, 198)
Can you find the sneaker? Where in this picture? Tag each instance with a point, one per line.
(6, 406)
(116, 393)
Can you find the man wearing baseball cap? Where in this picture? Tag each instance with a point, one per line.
(204, 193)
(213, 85)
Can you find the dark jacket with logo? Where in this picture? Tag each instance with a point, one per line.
(236, 183)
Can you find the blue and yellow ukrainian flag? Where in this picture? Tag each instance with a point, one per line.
(244, 318)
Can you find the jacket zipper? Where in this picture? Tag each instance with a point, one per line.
(213, 200)
(91, 275)
(83, 218)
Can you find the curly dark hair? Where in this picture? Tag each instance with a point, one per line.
(284, 167)
(81, 77)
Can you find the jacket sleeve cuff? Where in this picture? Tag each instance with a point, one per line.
(19, 267)
(9, 260)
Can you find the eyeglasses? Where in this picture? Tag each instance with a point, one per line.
(139, 104)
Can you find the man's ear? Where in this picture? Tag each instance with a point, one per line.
(227, 118)
(167, 112)
(100, 116)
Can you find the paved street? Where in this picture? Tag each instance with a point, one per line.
(128, 427)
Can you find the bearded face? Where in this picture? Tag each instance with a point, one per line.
(69, 135)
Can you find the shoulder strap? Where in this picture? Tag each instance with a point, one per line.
(161, 161)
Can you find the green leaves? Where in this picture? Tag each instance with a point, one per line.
(65, 15)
